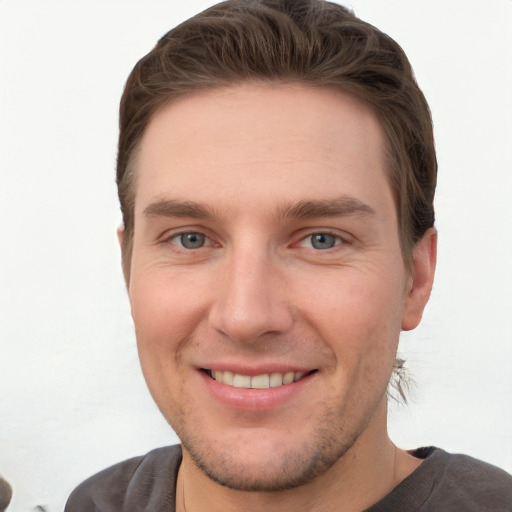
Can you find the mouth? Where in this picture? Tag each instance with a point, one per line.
(263, 381)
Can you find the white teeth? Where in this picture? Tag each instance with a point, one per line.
(276, 379)
(288, 378)
(260, 381)
(263, 381)
(228, 378)
(241, 381)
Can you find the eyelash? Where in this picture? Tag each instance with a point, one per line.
(170, 240)
(338, 240)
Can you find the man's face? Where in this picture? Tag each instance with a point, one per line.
(266, 251)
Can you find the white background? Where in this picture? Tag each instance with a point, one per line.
(72, 399)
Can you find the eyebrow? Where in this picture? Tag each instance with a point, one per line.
(174, 208)
(340, 206)
(305, 209)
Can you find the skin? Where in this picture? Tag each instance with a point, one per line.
(259, 295)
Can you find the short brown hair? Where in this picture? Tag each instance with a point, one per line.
(312, 42)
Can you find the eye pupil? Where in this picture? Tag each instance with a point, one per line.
(192, 240)
(323, 241)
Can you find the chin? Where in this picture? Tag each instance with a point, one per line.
(263, 462)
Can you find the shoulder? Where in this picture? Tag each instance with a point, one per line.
(475, 481)
(140, 483)
(451, 483)
(460, 482)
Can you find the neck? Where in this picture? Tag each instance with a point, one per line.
(368, 471)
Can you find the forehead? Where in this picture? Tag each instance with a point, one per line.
(277, 141)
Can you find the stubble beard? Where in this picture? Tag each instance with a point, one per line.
(280, 471)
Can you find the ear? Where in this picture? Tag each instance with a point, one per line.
(120, 235)
(125, 265)
(420, 282)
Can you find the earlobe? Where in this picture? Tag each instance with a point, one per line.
(418, 293)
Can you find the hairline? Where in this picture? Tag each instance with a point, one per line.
(129, 179)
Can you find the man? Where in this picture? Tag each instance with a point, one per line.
(276, 173)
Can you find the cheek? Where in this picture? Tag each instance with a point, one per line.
(358, 315)
(157, 318)
(164, 308)
(164, 321)
(357, 297)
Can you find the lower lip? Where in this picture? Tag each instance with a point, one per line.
(255, 400)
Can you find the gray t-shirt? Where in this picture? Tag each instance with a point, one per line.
(444, 482)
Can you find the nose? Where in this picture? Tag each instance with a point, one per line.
(251, 298)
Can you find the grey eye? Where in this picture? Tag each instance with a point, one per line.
(192, 240)
(323, 241)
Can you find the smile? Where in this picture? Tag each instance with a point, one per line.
(263, 381)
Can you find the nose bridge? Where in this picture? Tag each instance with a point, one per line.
(249, 302)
